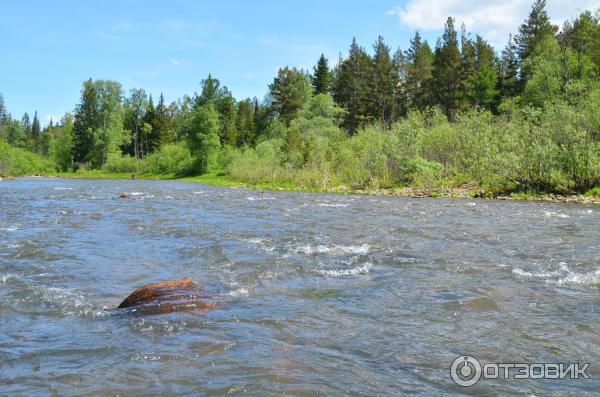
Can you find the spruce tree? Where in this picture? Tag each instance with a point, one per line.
(4, 119)
(163, 122)
(419, 59)
(384, 82)
(227, 115)
(446, 71)
(211, 91)
(26, 124)
(508, 70)
(400, 99)
(245, 122)
(36, 129)
(351, 86)
(468, 68)
(86, 122)
(531, 33)
(289, 91)
(321, 79)
(153, 131)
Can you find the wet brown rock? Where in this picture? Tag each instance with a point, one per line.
(168, 296)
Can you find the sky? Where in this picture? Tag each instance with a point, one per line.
(50, 47)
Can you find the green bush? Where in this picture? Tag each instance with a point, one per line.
(18, 162)
(170, 159)
(121, 164)
(261, 164)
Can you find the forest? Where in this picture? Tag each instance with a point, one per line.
(431, 116)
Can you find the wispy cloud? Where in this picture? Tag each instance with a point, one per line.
(494, 19)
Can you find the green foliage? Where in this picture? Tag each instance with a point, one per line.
(121, 164)
(18, 162)
(419, 73)
(446, 72)
(61, 147)
(351, 86)
(170, 159)
(261, 164)
(290, 90)
(98, 125)
(529, 120)
(533, 31)
(202, 134)
(321, 79)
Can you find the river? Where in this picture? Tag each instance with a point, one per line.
(318, 294)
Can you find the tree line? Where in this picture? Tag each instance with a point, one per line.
(540, 64)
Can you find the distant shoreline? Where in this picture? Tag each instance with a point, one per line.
(218, 180)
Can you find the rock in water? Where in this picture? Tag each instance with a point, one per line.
(167, 296)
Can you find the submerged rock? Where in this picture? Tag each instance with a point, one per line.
(166, 297)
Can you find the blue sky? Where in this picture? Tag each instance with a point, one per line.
(49, 48)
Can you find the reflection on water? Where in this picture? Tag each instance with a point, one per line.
(318, 294)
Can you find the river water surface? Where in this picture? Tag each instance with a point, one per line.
(317, 294)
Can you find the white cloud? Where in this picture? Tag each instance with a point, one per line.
(494, 19)
(249, 75)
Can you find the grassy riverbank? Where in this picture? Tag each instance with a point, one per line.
(220, 179)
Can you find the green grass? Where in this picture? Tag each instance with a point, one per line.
(221, 179)
(595, 192)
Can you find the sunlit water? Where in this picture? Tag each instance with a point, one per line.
(318, 294)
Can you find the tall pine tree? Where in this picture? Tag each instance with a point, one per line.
(351, 86)
(36, 129)
(419, 75)
(4, 117)
(531, 33)
(86, 121)
(289, 91)
(508, 67)
(245, 122)
(321, 78)
(446, 70)
(26, 124)
(383, 83)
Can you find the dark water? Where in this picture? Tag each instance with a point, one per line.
(319, 294)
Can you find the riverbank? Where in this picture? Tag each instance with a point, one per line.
(467, 191)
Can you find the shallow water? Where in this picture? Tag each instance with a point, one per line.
(318, 294)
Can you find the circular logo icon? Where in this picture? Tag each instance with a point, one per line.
(465, 371)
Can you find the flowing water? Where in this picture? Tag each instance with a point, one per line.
(317, 294)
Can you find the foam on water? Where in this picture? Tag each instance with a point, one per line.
(332, 205)
(238, 292)
(9, 276)
(355, 271)
(333, 249)
(67, 302)
(252, 198)
(563, 275)
(591, 278)
(552, 214)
